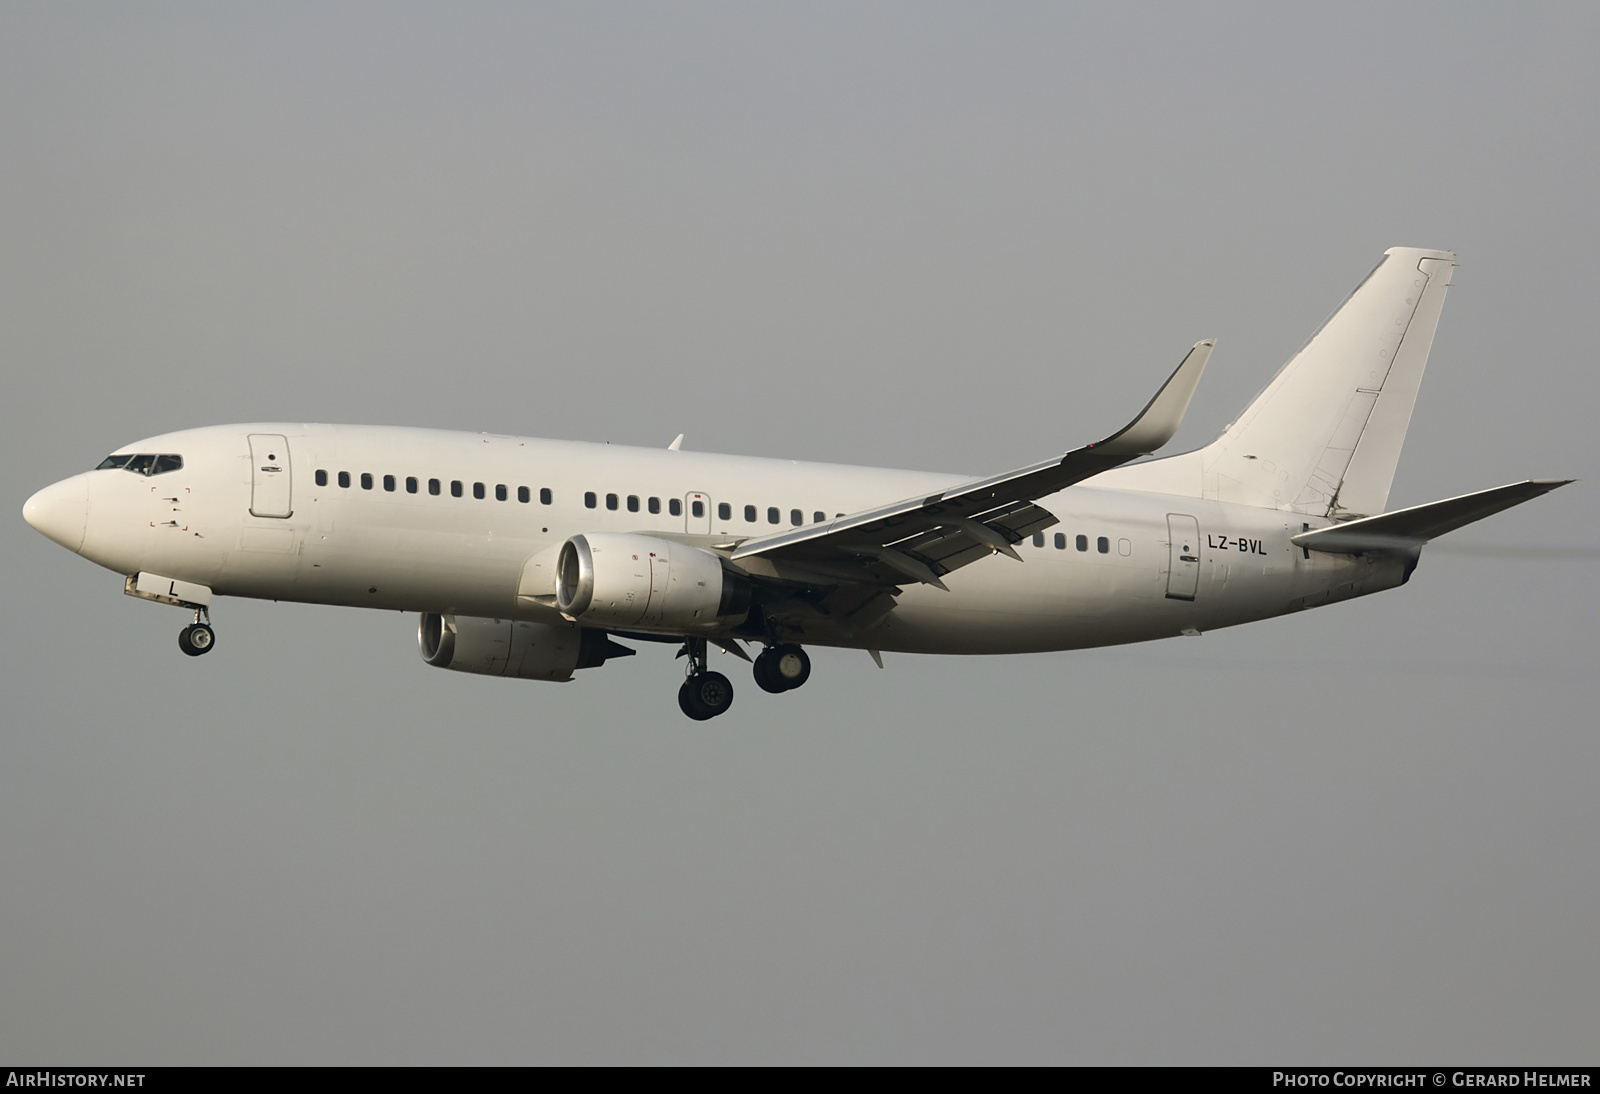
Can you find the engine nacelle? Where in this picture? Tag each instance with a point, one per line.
(512, 647)
(617, 580)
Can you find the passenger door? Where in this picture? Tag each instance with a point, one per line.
(1183, 556)
(270, 476)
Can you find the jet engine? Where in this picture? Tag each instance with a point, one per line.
(640, 582)
(512, 647)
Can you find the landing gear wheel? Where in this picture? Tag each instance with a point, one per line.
(705, 695)
(196, 638)
(766, 679)
(782, 668)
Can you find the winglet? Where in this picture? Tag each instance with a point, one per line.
(678, 440)
(1160, 418)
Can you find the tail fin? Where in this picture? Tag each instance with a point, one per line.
(1325, 435)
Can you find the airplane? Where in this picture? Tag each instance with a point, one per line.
(533, 559)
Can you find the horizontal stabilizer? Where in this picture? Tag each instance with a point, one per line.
(1411, 528)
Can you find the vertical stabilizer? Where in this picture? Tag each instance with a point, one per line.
(1325, 435)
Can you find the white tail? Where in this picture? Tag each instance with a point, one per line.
(1324, 436)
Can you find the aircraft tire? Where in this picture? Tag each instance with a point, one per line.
(791, 666)
(766, 674)
(196, 639)
(688, 703)
(705, 695)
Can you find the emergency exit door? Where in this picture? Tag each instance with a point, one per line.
(269, 475)
(1183, 553)
(697, 514)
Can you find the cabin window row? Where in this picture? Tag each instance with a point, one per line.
(413, 485)
(1102, 544)
(633, 503)
(697, 508)
(591, 500)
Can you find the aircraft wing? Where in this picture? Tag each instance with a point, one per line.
(924, 538)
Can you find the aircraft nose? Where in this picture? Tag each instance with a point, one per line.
(61, 511)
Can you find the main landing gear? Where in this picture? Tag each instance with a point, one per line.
(704, 694)
(197, 637)
(783, 667)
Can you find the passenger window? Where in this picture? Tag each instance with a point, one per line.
(411, 484)
(633, 503)
(655, 505)
(1061, 541)
(433, 487)
(500, 491)
(724, 511)
(818, 517)
(1038, 539)
(455, 488)
(697, 507)
(675, 507)
(388, 483)
(366, 480)
(1082, 543)
(544, 495)
(796, 517)
(322, 477)
(772, 515)
(588, 499)
(523, 495)
(1103, 545)
(344, 479)
(1124, 548)
(611, 501)
(477, 490)
(750, 513)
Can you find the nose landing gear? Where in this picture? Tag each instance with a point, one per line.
(197, 637)
(704, 694)
(783, 667)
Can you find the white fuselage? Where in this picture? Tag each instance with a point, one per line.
(387, 541)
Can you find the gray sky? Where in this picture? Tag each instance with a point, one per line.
(954, 237)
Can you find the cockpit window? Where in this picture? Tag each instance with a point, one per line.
(144, 463)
